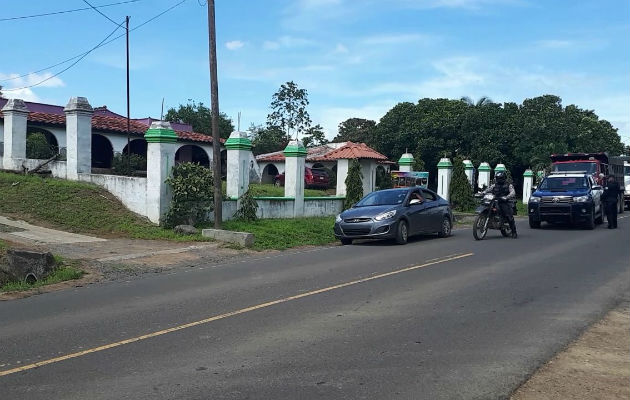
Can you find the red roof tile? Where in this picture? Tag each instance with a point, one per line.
(351, 151)
(110, 123)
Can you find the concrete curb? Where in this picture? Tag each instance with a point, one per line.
(244, 239)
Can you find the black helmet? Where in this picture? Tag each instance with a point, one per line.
(500, 177)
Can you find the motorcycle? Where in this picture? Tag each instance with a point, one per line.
(489, 217)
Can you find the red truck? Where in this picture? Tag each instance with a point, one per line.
(313, 178)
(599, 165)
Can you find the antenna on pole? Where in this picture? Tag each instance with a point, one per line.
(162, 113)
(238, 123)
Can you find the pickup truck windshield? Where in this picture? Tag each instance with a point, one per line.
(587, 167)
(562, 184)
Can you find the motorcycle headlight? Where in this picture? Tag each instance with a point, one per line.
(387, 215)
(488, 197)
(338, 218)
(581, 199)
(534, 199)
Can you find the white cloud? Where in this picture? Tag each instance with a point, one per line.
(398, 39)
(270, 45)
(555, 43)
(340, 49)
(331, 117)
(234, 44)
(17, 87)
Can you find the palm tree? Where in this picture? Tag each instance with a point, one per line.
(483, 101)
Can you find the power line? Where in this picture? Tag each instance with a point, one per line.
(82, 55)
(66, 11)
(100, 12)
(67, 68)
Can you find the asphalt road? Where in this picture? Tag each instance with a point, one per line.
(435, 319)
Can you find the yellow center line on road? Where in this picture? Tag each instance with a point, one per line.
(226, 315)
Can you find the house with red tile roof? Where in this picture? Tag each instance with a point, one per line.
(109, 134)
(333, 156)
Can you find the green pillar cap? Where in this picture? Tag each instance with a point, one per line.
(445, 163)
(295, 148)
(238, 141)
(484, 166)
(500, 167)
(160, 132)
(468, 164)
(528, 172)
(406, 159)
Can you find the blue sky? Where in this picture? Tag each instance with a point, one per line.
(356, 58)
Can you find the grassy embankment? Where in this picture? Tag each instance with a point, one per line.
(75, 207)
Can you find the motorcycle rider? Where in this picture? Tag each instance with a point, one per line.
(504, 191)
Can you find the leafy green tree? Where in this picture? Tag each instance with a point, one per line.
(383, 179)
(37, 146)
(193, 195)
(288, 107)
(267, 139)
(358, 130)
(354, 184)
(314, 136)
(200, 117)
(461, 194)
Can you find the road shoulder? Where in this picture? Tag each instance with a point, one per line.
(595, 366)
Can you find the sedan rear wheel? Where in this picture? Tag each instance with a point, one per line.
(402, 232)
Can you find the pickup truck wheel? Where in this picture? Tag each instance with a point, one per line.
(621, 204)
(590, 222)
(534, 224)
(600, 219)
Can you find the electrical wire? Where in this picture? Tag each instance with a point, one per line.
(82, 55)
(65, 69)
(100, 12)
(66, 11)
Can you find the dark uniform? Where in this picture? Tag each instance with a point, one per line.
(609, 200)
(504, 191)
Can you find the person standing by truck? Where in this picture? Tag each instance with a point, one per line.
(609, 199)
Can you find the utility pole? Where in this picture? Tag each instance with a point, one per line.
(214, 100)
(128, 123)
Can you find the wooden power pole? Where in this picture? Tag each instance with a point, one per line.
(214, 100)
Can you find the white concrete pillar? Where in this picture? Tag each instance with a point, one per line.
(238, 164)
(78, 137)
(484, 175)
(469, 169)
(499, 168)
(342, 174)
(368, 170)
(445, 172)
(295, 155)
(405, 163)
(161, 144)
(15, 115)
(528, 184)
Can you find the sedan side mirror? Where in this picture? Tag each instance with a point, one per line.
(415, 201)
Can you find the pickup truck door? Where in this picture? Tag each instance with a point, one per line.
(597, 194)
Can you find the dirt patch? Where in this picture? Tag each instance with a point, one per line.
(596, 366)
(91, 276)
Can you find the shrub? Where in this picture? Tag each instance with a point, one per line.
(461, 195)
(354, 184)
(123, 164)
(383, 179)
(37, 146)
(193, 195)
(247, 209)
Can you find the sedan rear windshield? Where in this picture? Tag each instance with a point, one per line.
(383, 198)
(561, 184)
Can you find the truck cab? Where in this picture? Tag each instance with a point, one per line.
(566, 198)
